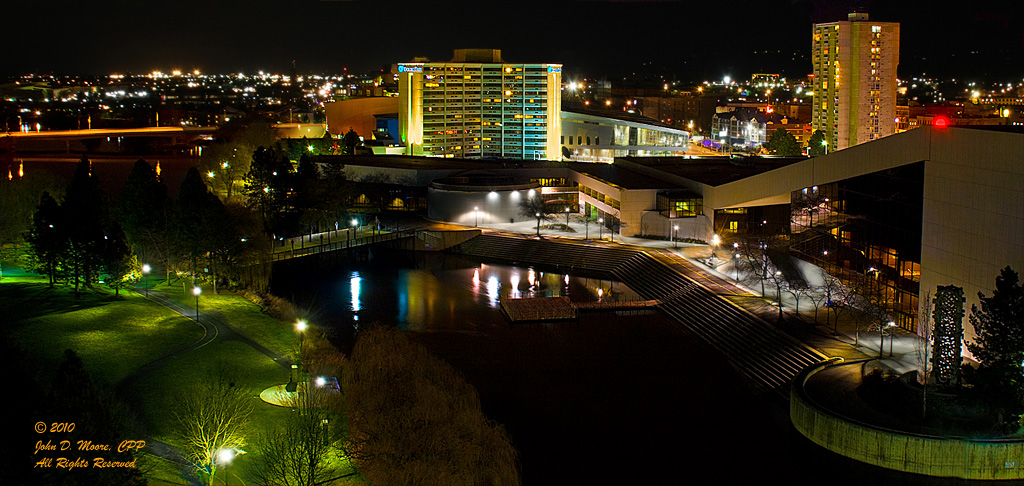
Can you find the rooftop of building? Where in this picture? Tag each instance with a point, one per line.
(473, 56)
(750, 114)
(621, 116)
(619, 176)
(991, 128)
(713, 171)
(436, 163)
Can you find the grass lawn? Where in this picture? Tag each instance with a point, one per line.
(237, 312)
(253, 371)
(114, 336)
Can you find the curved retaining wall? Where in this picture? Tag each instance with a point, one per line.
(903, 451)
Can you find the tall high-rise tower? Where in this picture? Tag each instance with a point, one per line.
(478, 106)
(855, 80)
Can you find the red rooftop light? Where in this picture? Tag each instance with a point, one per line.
(941, 122)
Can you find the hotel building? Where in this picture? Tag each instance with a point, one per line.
(855, 80)
(477, 106)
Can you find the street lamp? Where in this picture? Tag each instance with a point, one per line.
(301, 326)
(736, 259)
(224, 457)
(351, 233)
(891, 325)
(476, 213)
(778, 289)
(675, 236)
(145, 272)
(715, 240)
(567, 218)
(600, 229)
(196, 291)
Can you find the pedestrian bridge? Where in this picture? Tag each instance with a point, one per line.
(412, 240)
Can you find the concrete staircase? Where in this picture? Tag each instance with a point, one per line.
(764, 354)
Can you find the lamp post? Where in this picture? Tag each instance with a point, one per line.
(778, 290)
(351, 233)
(600, 229)
(715, 240)
(301, 326)
(891, 326)
(476, 213)
(736, 259)
(196, 291)
(675, 236)
(567, 218)
(145, 280)
(223, 458)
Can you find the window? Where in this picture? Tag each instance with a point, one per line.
(588, 140)
(579, 140)
(734, 225)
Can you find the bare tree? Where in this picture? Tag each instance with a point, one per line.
(921, 346)
(414, 420)
(301, 450)
(836, 298)
(754, 250)
(817, 297)
(875, 313)
(534, 207)
(213, 420)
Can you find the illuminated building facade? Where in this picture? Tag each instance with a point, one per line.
(602, 136)
(855, 80)
(477, 106)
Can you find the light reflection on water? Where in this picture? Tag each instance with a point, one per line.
(441, 294)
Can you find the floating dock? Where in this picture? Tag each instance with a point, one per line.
(546, 309)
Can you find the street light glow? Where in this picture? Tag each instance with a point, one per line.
(224, 456)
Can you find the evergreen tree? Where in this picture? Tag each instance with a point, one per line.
(815, 146)
(783, 143)
(142, 210)
(119, 262)
(999, 348)
(191, 228)
(85, 215)
(267, 184)
(349, 142)
(48, 237)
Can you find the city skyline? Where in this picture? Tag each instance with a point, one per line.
(670, 39)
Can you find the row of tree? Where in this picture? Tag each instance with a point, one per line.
(79, 238)
(227, 238)
(783, 143)
(88, 237)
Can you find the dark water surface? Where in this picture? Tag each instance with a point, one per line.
(614, 398)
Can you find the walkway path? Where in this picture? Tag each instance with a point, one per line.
(214, 327)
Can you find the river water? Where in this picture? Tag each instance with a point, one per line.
(615, 397)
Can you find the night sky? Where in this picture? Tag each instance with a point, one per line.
(678, 39)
